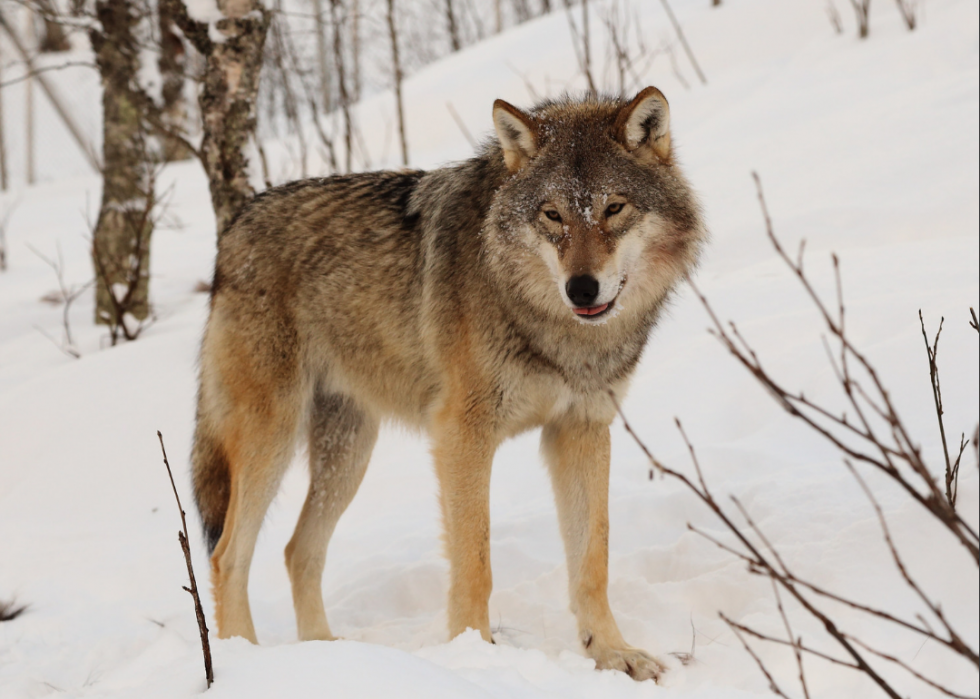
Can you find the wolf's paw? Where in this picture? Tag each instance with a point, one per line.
(636, 663)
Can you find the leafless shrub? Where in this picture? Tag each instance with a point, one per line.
(581, 44)
(64, 296)
(630, 57)
(908, 8)
(834, 16)
(862, 10)
(952, 467)
(873, 438)
(11, 610)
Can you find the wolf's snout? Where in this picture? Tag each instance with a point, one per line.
(582, 290)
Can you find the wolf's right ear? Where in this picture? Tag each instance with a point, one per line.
(516, 132)
(645, 123)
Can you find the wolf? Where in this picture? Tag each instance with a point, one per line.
(512, 291)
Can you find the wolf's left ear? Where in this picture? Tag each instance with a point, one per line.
(516, 132)
(645, 123)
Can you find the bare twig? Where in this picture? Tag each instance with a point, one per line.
(680, 35)
(931, 353)
(34, 72)
(66, 296)
(737, 630)
(202, 624)
(462, 126)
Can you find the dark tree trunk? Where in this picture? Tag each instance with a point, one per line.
(54, 39)
(172, 64)
(228, 93)
(121, 241)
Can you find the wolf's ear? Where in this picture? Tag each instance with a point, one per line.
(516, 132)
(645, 123)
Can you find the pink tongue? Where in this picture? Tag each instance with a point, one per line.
(591, 311)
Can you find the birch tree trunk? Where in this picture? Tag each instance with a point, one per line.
(121, 241)
(228, 93)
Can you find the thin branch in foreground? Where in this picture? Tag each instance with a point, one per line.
(737, 630)
(875, 436)
(202, 624)
(952, 472)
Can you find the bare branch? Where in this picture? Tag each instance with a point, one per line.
(202, 624)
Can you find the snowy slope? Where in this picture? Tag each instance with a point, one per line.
(869, 149)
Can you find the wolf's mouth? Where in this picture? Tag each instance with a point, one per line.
(594, 311)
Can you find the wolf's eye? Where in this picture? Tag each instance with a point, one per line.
(553, 215)
(614, 209)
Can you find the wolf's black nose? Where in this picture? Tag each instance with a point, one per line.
(582, 290)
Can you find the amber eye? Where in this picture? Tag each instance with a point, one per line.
(614, 209)
(553, 215)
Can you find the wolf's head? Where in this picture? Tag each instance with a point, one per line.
(595, 217)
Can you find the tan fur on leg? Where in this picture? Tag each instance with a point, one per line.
(463, 447)
(266, 453)
(578, 459)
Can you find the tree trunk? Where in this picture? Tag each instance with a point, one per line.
(172, 64)
(397, 66)
(355, 43)
(321, 53)
(121, 241)
(228, 95)
(3, 140)
(338, 57)
(29, 110)
(450, 20)
(54, 39)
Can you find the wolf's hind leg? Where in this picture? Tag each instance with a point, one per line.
(342, 436)
(578, 460)
(260, 445)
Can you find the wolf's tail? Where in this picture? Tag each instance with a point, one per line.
(211, 477)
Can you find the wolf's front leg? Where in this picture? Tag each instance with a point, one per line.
(463, 446)
(578, 459)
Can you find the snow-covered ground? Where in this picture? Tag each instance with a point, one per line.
(867, 148)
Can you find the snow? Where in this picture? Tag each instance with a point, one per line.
(866, 148)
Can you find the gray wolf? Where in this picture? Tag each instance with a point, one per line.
(511, 291)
